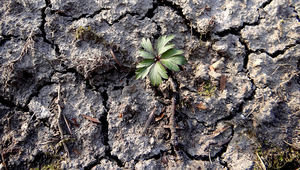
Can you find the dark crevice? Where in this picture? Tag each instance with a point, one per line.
(10, 104)
(42, 27)
(6, 103)
(123, 16)
(6, 38)
(156, 36)
(157, 156)
(37, 91)
(229, 117)
(265, 4)
(251, 97)
(259, 51)
(104, 123)
(103, 118)
(178, 9)
(113, 158)
(130, 76)
(279, 52)
(199, 158)
(84, 15)
(237, 30)
(225, 164)
(150, 12)
(72, 70)
(57, 51)
(248, 52)
(92, 164)
(234, 31)
(298, 18)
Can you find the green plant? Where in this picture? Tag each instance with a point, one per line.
(51, 167)
(155, 63)
(89, 34)
(207, 89)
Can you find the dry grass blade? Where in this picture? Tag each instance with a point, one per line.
(292, 145)
(113, 55)
(262, 163)
(3, 161)
(218, 131)
(92, 119)
(75, 122)
(76, 152)
(67, 124)
(58, 102)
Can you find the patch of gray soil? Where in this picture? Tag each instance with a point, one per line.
(278, 29)
(69, 98)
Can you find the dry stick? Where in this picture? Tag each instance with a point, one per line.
(294, 146)
(58, 118)
(174, 137)
(148, 122)
(3, 161)
(262, 163)
(209, 155)
(113, 55)
(67, 123)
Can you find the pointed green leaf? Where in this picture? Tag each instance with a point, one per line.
(161, 70)
(156, 73)
(166, 48)
(179, 59)
(171, 53)
(169, 64)
(145, 63)
(145, 54)
(147, 45)
(162, 41)
(142, 72)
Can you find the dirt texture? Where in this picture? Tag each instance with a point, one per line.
(69, 98)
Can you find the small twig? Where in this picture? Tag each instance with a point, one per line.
(113, 55)
(67, 123)
(3, 161)
(50, 141)
(294, 146)
(174, 137)
(262, 163)
(148, 121)
(209, 155)
(58, 118)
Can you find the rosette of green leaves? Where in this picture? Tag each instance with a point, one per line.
(154, 63)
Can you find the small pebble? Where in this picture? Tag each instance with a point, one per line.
(152, 141)
(243, 116)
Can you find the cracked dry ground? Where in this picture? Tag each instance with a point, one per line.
(253, 123)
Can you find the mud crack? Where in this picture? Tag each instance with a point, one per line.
(83, 15)
(6, 38)
(187, 22)
(42, 28)
(263, 5)
(104, 122)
